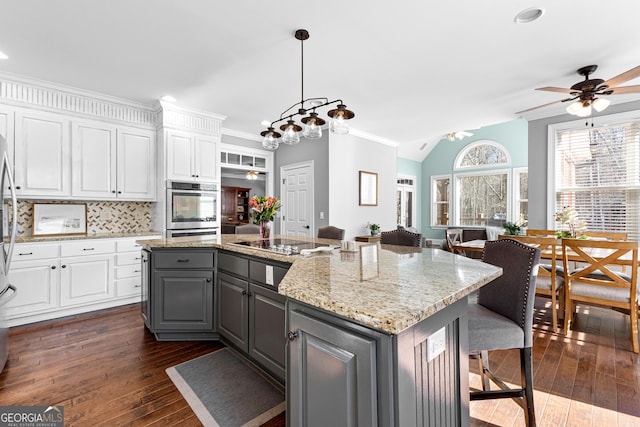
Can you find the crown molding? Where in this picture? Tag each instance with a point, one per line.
(373, 138)
(240, 134)
(170, 115)
(28, 92)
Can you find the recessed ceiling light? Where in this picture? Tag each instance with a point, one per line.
(168, 98)
(528, 15)
(3, 56)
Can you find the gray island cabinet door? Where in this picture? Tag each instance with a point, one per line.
(183, 300)
(332, 375)
(233, 307)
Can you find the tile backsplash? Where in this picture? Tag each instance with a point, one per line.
(102, 217)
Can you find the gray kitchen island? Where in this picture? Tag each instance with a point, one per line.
(373, 337)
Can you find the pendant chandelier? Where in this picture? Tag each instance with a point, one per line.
(307, 109)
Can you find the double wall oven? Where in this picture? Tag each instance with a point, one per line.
(192, 208)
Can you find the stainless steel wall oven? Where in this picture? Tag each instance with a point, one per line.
(192, 206)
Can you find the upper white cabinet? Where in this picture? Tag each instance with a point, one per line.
(112, 162)
(42, 155)
(6, 130)
(190, 157)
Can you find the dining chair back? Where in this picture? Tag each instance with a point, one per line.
(401, 237)
(540, 232)
(550, 275)
(331, 232)
(598, 280)
(608, 235)
(502, 319)
(248, 229)
(454, 236)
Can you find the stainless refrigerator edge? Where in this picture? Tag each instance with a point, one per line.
(7, 291)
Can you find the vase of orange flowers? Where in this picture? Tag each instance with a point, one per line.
(263, 210)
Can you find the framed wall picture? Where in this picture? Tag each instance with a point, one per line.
(57, 219)
(368, 188)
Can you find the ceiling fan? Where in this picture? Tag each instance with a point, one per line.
(586, 93)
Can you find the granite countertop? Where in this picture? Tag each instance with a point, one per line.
(32, 239)
(385, 287)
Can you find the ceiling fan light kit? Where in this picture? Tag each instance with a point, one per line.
(588, 93)
(312, 123)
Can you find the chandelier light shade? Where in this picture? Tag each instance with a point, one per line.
(306, 108)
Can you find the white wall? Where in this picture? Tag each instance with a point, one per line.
(348, 155)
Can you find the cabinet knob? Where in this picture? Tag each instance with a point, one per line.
(306, 226)
(18, 187)
(113, 191)
(208, 279)
(244, 292)
(119, 192)
(53, 267)
(63, 266)
(292, 335)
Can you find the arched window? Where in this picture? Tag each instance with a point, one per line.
(482, 153)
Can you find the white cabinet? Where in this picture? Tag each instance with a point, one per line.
(190, 157)
(6, 130)
(55, 279)
(35, 272)
(112, 162)
(42, 155)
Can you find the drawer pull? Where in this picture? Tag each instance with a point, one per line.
(138, 257)
(137, 286)
(208, 279)
(292, 335)
(183, 260)
(136, 271)
(88, 249)
(25, 253)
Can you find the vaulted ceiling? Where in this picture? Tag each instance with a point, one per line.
(411, 70)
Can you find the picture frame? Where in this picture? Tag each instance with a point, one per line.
(59, 219)
(368, 188)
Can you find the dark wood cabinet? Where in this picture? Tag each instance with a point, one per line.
(235, 204)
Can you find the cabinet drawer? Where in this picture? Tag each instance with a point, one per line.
(128, 271)
(128, 287)
(28, 252)
(233, 264)
(266, 274)
(183, 259)
(129, 245)
(129, 258)
(87, 247)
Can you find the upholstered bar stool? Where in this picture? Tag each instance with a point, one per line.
(401, 237)
(503, 319)
(331, 232)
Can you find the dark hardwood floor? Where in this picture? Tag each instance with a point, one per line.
(107, 369)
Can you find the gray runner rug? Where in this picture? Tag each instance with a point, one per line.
(225, 391)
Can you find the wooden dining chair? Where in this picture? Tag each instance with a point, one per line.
(453, 237)
(540, 232)
(608, 235)
(550, 275)
(598, 282)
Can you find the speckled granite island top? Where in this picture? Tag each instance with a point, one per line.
(388, 288)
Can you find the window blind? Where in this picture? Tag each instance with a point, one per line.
(597, 172)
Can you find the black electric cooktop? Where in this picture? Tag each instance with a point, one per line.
(279, 245)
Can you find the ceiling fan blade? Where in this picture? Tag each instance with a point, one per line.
(624, 77)
(545, 105)
(624, 89)
(558, 89)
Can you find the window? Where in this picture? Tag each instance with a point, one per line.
(597, 172)
(521, 196)
(406, 209)
(482, 199)
(440, 194)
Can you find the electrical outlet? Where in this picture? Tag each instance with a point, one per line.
(321, 215)
(436, 344)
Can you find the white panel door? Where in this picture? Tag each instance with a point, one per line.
(179, 157)
(297, 200)
(42, 155)
(93, 157)
(86, 279)
(37, 287)
(205, 159)
(136, 169)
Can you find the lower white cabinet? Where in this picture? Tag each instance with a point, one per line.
(56, 279)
